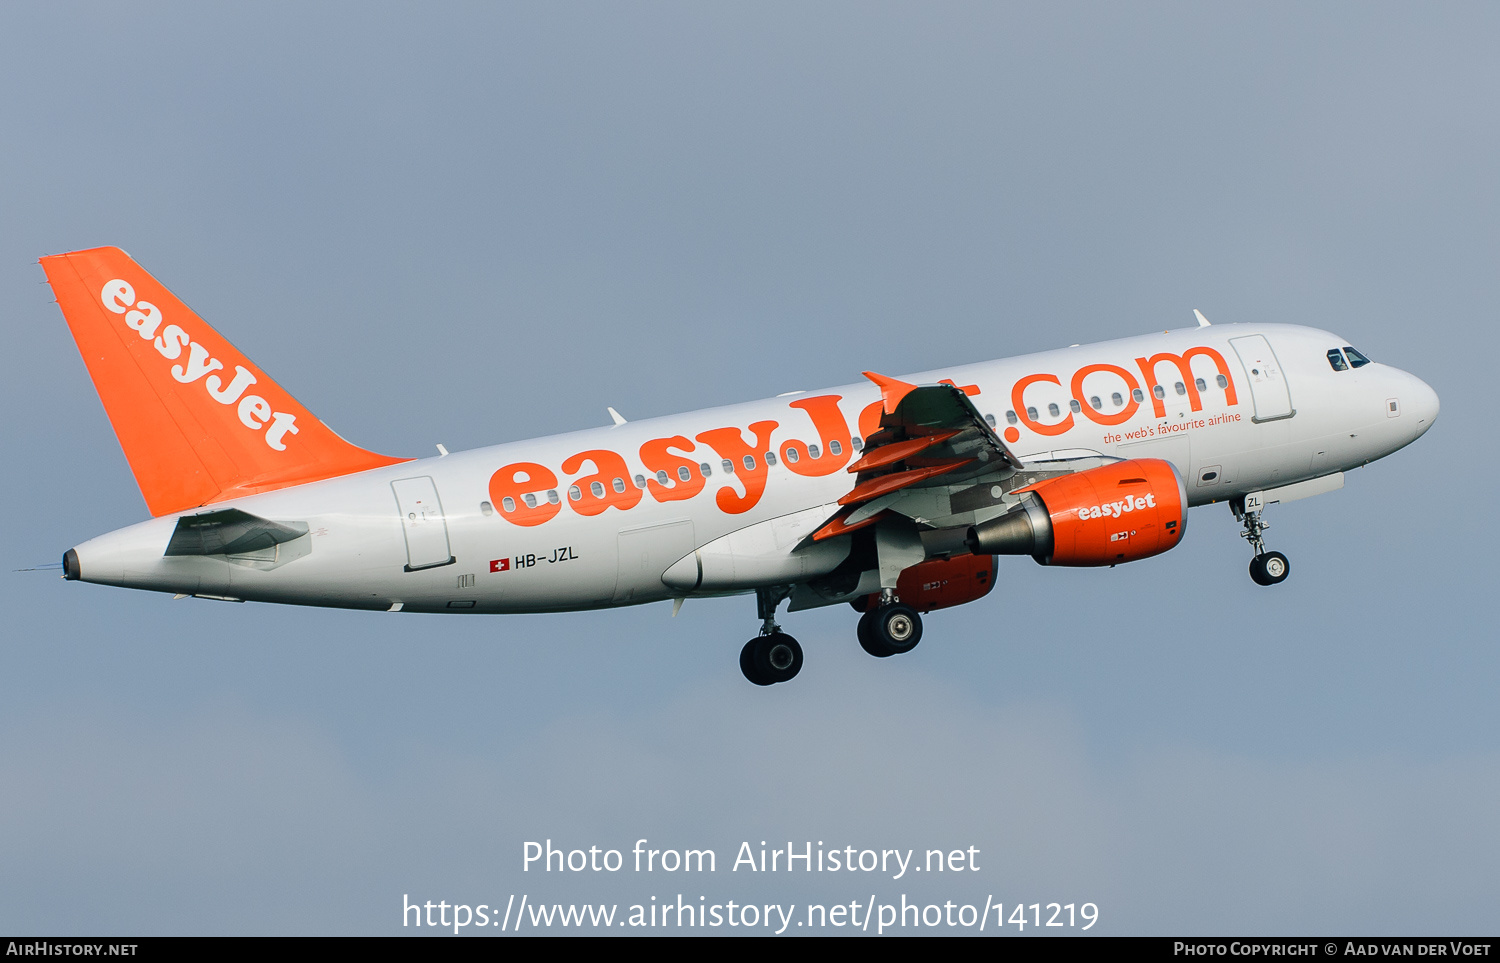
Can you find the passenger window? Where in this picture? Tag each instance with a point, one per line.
(683, 473)
(1010, 417)
(530, 500)
(813, 451)
(1158, 391)
(792, 457)
(1075, 405)
(662, 478)
(508, 504)
(749, 463)
(1222, 381)
(619, 484)
(1098, 405)
(988, 419)
(1356, 360)
(1116, 400)
(858, 443)
(640, 481)
(770, 458)
(1336, 360)
(487, 508)
(574, 492)
(1137, 395)
(1202, 386)
(1181, 388)
(836, 449)
(728, 467)
(1052, 410)
(597, 488)
(1031, 413)
(706, 469)
(552, 498)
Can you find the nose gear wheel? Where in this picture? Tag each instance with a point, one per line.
(1266, 568)
(1269, 568)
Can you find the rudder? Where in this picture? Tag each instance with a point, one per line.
(198, 421)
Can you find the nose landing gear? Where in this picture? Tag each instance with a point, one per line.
(1269, 568)
(773, 656)
(1266, 568)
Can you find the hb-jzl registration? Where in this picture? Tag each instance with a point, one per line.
(894, 495)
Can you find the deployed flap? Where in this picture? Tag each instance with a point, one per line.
(912, 412)
(198, 421)
(229, 531)
(929, 435)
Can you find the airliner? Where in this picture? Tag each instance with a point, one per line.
(895, 495)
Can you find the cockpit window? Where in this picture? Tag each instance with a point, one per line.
(1336, 358)
(1356, 360)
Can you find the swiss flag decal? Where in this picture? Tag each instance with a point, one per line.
(500, 565)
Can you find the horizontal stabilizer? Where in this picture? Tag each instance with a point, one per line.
(229, 531)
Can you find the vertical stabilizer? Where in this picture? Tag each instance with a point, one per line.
(198, 421)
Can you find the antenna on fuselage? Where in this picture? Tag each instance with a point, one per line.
(618, 418)
(1202, 321)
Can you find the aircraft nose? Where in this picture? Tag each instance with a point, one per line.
(1421, 403)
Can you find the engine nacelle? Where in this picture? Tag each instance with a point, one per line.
(1106, 515)
(941, 582)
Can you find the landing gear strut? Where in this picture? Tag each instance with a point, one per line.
(1266, 568)
(890, 628)
(773, 656)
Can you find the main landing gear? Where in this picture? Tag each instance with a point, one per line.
(1266, 568)
(773, 656)
(890, 628)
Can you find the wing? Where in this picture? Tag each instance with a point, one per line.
(933, 446)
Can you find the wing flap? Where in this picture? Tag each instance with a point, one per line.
(878, 485)
(931, 438)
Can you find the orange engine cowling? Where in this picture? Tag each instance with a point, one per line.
(1103, 516)
(941, 582)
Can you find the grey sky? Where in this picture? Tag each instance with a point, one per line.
(484, 223)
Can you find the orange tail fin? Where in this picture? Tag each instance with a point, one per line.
(198, 421)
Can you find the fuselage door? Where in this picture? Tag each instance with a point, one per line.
(1268, 387)
(422, 522)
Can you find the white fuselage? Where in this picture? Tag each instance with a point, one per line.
(1298, 419)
